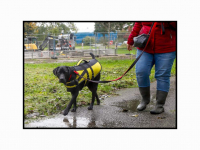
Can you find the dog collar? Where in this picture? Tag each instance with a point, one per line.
(70, 77)
(72, 83)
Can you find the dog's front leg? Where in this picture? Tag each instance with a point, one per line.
(98, 101)
(93, 98)
(73, 100)
(74, 108)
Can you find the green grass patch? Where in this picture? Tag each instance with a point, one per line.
(84, 47)
(44, 94)
(125, 51)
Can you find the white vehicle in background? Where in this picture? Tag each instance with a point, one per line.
(125, 42)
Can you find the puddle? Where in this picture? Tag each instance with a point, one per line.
(64, 122)
(131, 105)
(78, 122)
(128, 105)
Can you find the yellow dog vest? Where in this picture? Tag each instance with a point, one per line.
(88, 70)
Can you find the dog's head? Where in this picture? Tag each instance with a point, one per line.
(63, 73)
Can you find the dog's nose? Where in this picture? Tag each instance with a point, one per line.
(62, 80)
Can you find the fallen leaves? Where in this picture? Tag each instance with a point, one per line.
(134, 115)
(82, 103)
(161, 117)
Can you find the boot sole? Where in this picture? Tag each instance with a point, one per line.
(152, 112)
(141, 109)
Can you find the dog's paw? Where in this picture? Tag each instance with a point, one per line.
(73, 110)
(90, 108)
(65, 112)
(98, 103)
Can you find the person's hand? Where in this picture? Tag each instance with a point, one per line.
(129, 47)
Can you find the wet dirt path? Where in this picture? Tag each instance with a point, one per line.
(117, 112)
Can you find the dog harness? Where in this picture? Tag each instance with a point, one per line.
(88, 70)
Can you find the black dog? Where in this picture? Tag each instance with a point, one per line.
(74, 83)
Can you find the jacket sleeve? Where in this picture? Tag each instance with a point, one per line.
(136, 29)
(173, 25)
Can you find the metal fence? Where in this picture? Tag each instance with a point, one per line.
(85, 42)
(68, 53)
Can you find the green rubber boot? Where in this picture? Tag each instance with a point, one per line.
(145, 92)
(160, 101)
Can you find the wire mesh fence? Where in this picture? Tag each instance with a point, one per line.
(74, 44)
(68, 53)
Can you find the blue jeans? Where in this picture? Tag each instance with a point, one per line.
(163, 64)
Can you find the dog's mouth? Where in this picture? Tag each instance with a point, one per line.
(62, 78)
(62, 81)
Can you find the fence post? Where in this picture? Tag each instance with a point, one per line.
(95, 41)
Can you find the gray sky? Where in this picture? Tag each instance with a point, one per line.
(85, 26)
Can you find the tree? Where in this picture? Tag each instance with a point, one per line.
(88, 39)
(29, 28)
(49, 27)
(127, 32)
(57, 27)
(103, 27)
(53, 28)
(42, 31)
(111, 26)
(107, 27)
(103, 41)
(128, 26)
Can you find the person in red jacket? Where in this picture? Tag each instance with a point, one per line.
(161, 52)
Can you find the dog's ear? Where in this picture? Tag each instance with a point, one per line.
(68, 70)
(55, 71)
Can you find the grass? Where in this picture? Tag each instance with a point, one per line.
(43, 93)
(84, 47)
(125, 51)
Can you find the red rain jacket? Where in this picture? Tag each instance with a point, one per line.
(158, 43)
